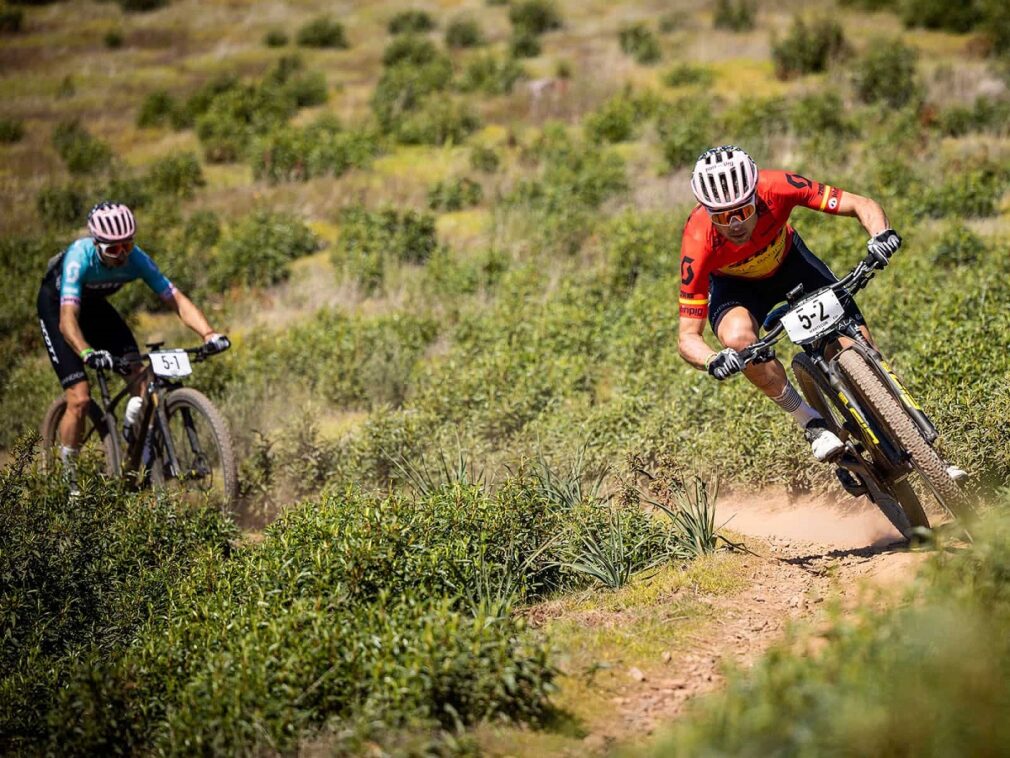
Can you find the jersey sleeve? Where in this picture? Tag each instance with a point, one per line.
(71, 274)
(797, 190)
(148, 270)
(695, 266)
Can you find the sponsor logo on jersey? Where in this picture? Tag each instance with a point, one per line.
(73, 271)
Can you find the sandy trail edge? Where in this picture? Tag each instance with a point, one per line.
(807, 549)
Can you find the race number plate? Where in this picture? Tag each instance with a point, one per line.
(813, 316)
(171, 363)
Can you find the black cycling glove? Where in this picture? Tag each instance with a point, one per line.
(98, 359)
(882, 246)
(725, 363)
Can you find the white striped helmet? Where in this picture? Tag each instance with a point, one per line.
(724, 177)
(111, 222)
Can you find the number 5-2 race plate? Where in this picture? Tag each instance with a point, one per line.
(813, 316)
(171, 363)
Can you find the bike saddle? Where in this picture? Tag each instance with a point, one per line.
(154, 345)
(773, 318)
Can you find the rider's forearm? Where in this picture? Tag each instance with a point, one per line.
(871, 215)
(695, 351)
(70, 328)
(191, 316)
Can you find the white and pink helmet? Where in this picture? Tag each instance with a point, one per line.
(724, 177)
(111, 222)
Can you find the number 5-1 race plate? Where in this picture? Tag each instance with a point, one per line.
(171, 363)
(813, 317)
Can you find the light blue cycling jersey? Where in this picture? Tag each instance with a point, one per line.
(80, 273)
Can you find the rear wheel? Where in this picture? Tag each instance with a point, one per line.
(906, 512)
(891, 415)
(202, 444)
(99, 449)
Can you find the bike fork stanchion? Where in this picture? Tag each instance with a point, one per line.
(161, 416)
(107, 416)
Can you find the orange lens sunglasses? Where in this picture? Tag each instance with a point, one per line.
(741, 214)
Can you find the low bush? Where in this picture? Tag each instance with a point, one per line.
(81, 152)
(734, 15)
(958, 246)
(11, 20)
(821, 113)
(324, 148)
(524, 44)
(808, 49)
(113, 39)
(671, 21)
(886, 73)
(176, 176)
(491, 75)
(685, 131)
(276, 38)
(641, 246)
(686, 73)
(534, 16)
(412, 21)
(156, 109)
(454, 194)
(322, 32)
(236, 116)
(619, 118)
(438, 121)
(371, 240)
(638, 41)
(403, 89)
(484, 158)
(996, 25)
(141, 6)
(984, 115)
(968, 192)
(256, 251)
(199, 102)
(936, 14)
(11, 130)
(61, 206)
(754, 120)
(463, 32)
(410, 49)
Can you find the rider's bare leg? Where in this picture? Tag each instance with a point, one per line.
(72, 424)
(737, 329)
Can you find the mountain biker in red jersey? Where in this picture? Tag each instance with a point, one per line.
(739, 257)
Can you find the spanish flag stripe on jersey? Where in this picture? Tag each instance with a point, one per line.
(827, 194)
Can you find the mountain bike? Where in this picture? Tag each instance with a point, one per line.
(179, 440)
(887, 435)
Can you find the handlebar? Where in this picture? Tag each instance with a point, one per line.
(125, 365)
(846, 287)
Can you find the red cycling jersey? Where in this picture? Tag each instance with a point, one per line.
(704, 251)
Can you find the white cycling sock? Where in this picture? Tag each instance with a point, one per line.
(791, 402)
(68, 454)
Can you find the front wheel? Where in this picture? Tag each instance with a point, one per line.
(891, 415)
(98, 448)
(202, 446)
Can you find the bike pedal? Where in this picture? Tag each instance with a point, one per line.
(850, 483)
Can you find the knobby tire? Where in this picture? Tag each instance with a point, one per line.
(49, 431)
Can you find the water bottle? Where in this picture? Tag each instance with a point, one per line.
(131, 415)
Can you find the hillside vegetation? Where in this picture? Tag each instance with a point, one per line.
(444, 241)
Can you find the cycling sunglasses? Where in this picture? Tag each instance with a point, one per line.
(741, 214)
(115, 249)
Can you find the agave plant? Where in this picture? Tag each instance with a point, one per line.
(448, 470)
(693, 517)
(573, 487)
(611, 557)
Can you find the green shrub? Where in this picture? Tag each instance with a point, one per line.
(886, 73)
(66, 88)
(753, 120)
(685, 132)
(157, 109)
(534, 16)
(454, 195)
(985, 115)
(411, 50)
(686, 73)
(11, 130)
(958, 246)
(141, 6)
(524, 44)
(437, 122)
(113, 39)
(869, 5)
(257, 250)
(671, 21)
(321, 149)
(808, 49)
(371, 240)
(411, 21)
(276, 38)
(619, 118)
(638, 41)
(484, 158)
(177, 176)
(61, 206)
(639, 246)
(968, 192)
(11, 20)
(463, 32)
(996, 24)
(490, 74)
(235, 116)
(734, 15)
(199, 102)
(821, 113)
(81, 152)
(403, 89)
(322, 32)
(936, 14)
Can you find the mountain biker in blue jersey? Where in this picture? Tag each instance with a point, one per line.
(79, 326)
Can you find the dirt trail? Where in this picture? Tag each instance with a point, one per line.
(806, 551)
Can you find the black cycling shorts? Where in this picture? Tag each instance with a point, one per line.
(101, 324)
(760, 296)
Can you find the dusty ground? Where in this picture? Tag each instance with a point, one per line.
(804, 553)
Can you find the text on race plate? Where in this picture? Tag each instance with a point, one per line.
(813, 316)
(171, 363)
